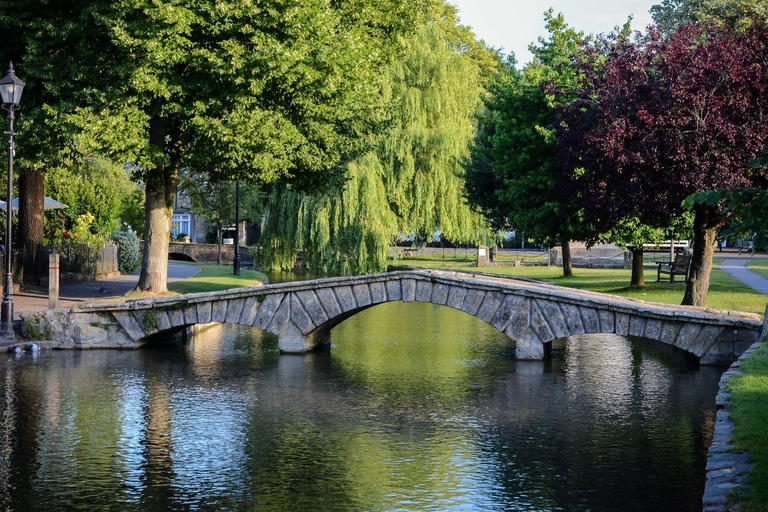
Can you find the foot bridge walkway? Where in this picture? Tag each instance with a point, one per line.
(301, 314)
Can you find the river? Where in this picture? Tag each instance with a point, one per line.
(415, 407)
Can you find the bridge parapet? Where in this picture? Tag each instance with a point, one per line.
(301, 314)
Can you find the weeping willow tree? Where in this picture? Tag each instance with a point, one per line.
(411, 181)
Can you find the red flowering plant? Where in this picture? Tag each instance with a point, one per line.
(56, 229)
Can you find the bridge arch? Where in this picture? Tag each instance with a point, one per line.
(301, 314)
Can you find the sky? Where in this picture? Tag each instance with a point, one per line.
(513, 24)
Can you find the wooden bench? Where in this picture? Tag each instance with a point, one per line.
(415, 246)
(679, 267)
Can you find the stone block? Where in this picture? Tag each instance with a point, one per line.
(394, 291)
(234, 310)
(362, 295)
(345, 298)
(686, 336)
(218, 310)
(423, 291)
(409, 289)
(607, 321)
(540, 325)
(636, 325)
(328, 300)
(439, 294)
(176, 316)
(706, 338)
(378, 293)
(622, 324)
(312, 306)
(162, 320)
(472, 301)
(267, 310)
(250, 308)
(572, 315)
(299, 315)
(590, 318)
(652, 329)
(555, 318)
(456, 295)
(204, 312)
(190, 314)
(669, 331)
(529, 347)
(130, 325)
(490, 305)
(280, 318)
(94, 331)
(519, 323)
(509, 307)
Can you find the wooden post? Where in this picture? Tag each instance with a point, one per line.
(53, 280)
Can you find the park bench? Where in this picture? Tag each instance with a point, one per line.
(415, 246)
(679, 267)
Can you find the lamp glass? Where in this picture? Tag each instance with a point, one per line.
(7, 91)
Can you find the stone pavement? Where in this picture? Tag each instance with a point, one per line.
(737, 267)
(35, 298)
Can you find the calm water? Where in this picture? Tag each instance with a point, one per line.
(416, 407)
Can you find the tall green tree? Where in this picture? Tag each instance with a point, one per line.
(256, 91)
(411, 180)
(512, 174)
(672, 14)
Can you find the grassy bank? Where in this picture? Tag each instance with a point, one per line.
(749, 410)
(725, 292)
(214, 278)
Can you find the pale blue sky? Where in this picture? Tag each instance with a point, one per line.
(513, 24)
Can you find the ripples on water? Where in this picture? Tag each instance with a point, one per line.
(416, 407)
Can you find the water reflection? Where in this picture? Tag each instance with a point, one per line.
(416, 407)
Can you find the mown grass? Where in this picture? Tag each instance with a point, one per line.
(725, 292)
(749, 410)
(214, 278)
(759, 267)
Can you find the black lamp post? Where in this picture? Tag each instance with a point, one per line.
(236, 262)
(10, 90)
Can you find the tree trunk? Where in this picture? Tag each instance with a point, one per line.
(158, 211)
(707, 223)
(218, 238)
(567, 261)
(31, 220)
(638, 274)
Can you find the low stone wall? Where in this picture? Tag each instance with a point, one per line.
(726, 469)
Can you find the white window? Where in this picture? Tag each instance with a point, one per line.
(180, 224)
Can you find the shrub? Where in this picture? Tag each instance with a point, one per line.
(129, 255)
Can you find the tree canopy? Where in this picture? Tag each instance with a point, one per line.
(411, 180)
(665, 117)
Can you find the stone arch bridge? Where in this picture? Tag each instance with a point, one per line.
(532, 314)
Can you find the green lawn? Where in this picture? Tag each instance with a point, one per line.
(725, 292)
(749, 410)
(214, 278)
(759, 267)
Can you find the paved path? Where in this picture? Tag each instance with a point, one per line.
(34, 298)
(738, 269)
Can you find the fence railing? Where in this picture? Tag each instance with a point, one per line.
(80, 259)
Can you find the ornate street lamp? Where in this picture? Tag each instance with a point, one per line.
(10, 91)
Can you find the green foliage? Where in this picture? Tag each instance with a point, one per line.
(411, 182)
(740, 14)
(95, 191)
(132, 211)
(149, 320)
(512, 175)
(129, 255)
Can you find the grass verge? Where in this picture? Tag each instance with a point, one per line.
(759, 267)
(214, 278)
(725, 292)
(749, 410)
